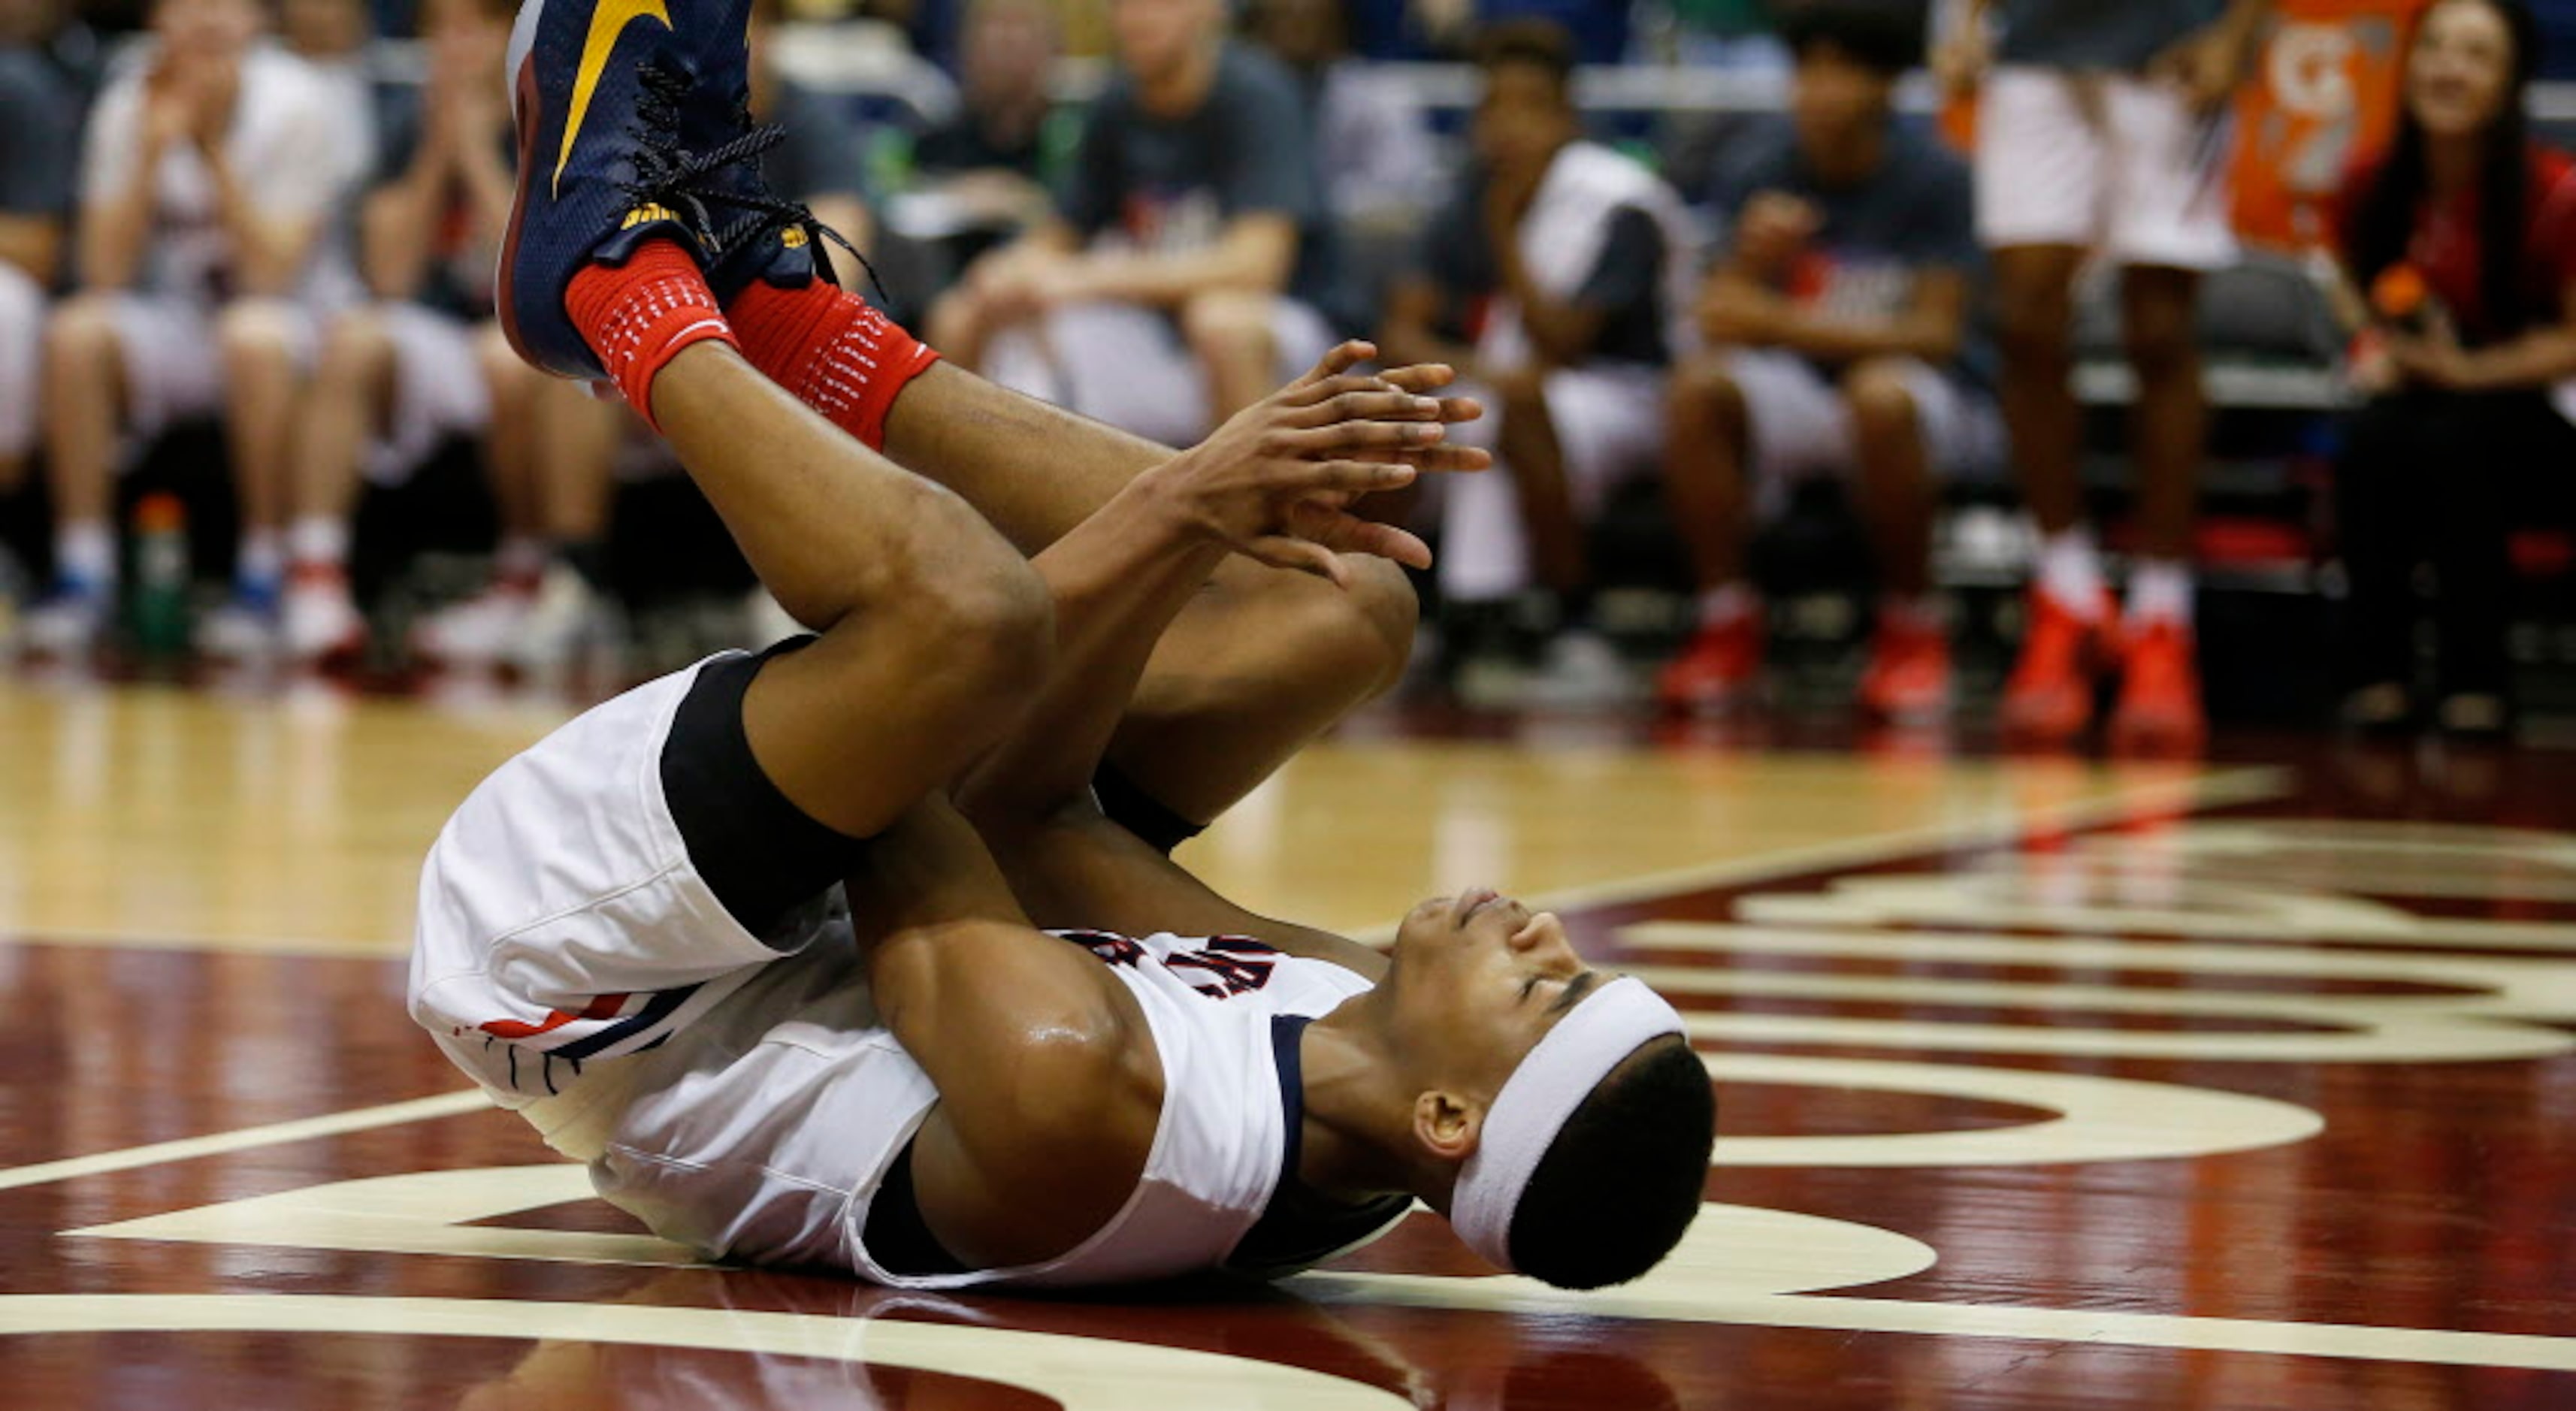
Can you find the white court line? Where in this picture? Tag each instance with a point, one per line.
(1990, 828)
(392, 1114)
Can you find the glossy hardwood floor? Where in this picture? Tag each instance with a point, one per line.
(2042, 1085)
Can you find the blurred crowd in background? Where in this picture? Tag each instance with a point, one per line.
(2105, 360)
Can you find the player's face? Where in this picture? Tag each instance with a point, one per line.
(1834, 99)
(206, 29)
(1158, 37)
(2460, 74)
(1477, 980)
(1008, 48)
(1523, 118)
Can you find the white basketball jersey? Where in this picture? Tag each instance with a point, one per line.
(1226, 1014)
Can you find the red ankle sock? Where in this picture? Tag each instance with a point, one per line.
(833, 350)
(639, 315)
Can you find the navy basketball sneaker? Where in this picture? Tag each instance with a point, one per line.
(598, 90)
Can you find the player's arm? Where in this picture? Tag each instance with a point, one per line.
(270, 245)
(121, 161)
(1563, 331)
(1411, 332)
(401, 215)
(1084, 870)
(1041, 1058)
(1931, 327)
(1254, 254)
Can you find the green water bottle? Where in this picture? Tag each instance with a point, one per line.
(158, 604)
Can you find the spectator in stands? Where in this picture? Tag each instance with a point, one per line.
(1372, 141)
(2097, 135)
(39, 127)
(1556, 281)
(1838, 317)
(1185, 272)
(2464, 234)
(425, 363)
(991, 155)
(208, 175)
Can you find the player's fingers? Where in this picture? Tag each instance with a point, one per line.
(1347, 477)
(1348, 533)
(1304, 555)
(1421, 377)
(1347, 440)
(1371, 401)
(1449, 460)
(1341, 358)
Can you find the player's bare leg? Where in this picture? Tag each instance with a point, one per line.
(1293, 649)
(929, 620)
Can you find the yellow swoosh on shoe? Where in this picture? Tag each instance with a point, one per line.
(607, 22)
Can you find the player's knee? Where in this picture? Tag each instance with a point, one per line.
(986, 635)
(256, 333)
(1706, 387)
(355, 346)
(81, 333)
(1880, 396)
(1379, 613)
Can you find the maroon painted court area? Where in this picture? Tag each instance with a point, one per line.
(2440, 1194)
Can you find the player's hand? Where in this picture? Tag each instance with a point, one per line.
(1274, 482)
(2433, 359)
(1773, 229)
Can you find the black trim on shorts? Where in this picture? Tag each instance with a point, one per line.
(760, 854)
(1140, 813)
(898, 1240)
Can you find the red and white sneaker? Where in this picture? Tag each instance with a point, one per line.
(478, 633)
(319, 623)
(1715, 670)
(2049, 698)
(2160, 711)
(1908, 680)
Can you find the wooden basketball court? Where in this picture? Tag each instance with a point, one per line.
(2042, 1084)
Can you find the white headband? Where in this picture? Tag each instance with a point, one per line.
(1612, 1023)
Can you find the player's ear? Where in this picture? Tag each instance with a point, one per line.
(1446, 1125)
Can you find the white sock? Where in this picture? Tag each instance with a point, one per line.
(2160, 591)
(2071, 572)
(85, 553)
(262, 559)
(319, 539)
(521, 556)
(1726, 605)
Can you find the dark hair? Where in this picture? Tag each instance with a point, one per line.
(1540, 43)
(1623, 1178)
(1872, 33)
(2383, 223)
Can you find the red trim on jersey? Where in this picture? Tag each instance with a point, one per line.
(602, 1007)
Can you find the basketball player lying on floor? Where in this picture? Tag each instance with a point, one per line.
(634, 935)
